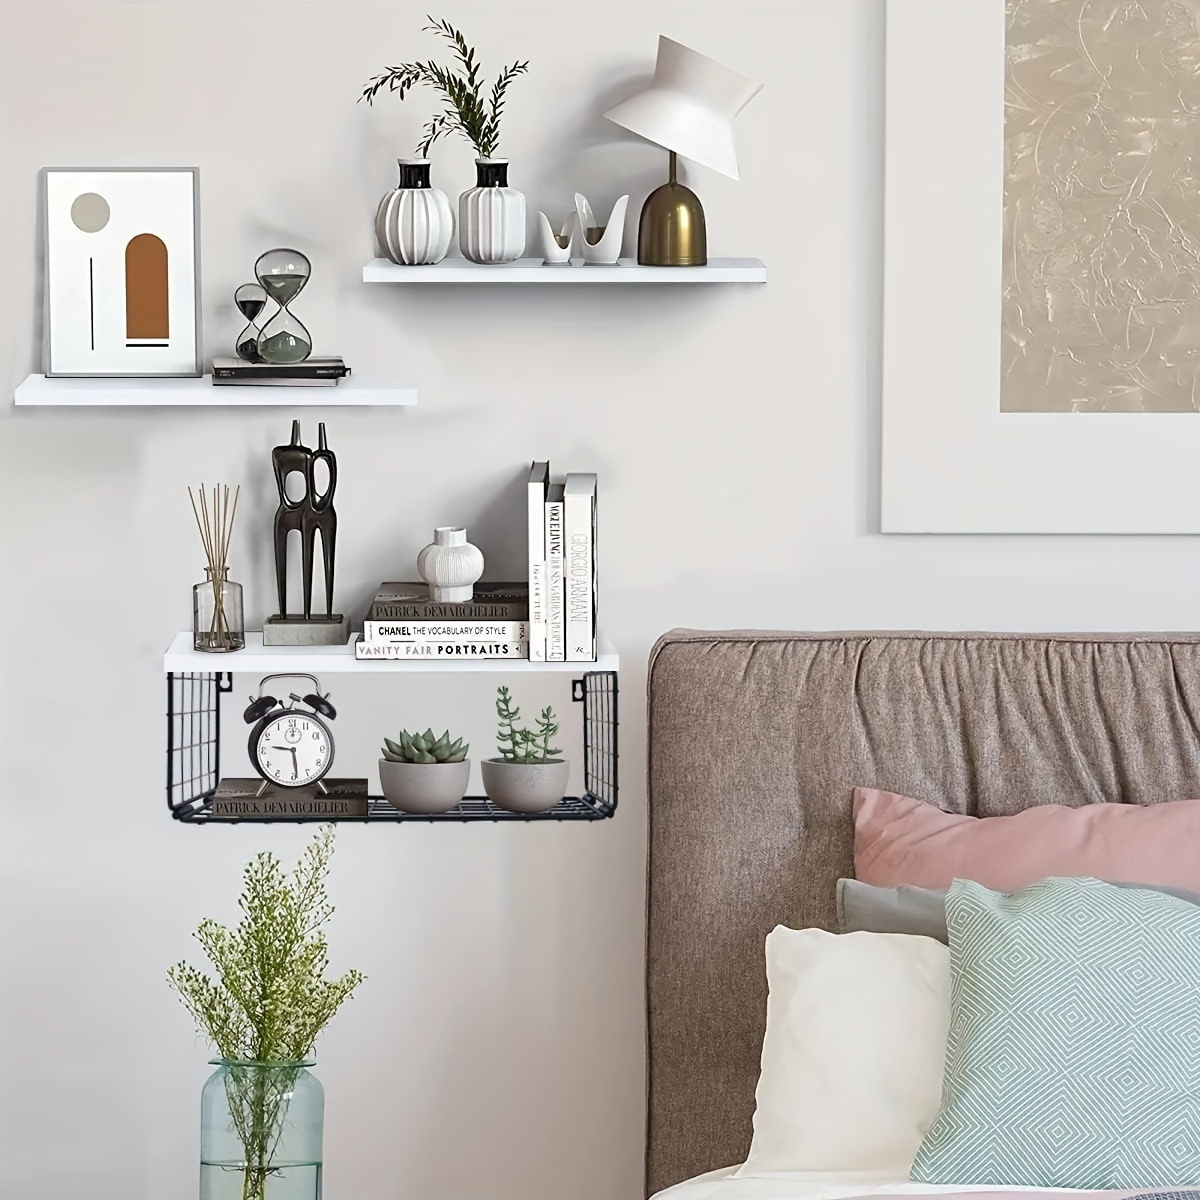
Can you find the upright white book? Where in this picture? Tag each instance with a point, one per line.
(539, 483)
(556, 596)
(579, 525)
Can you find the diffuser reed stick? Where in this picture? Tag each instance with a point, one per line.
(214, 520)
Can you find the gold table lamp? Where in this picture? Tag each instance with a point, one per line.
(689, 111)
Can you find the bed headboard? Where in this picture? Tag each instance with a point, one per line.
(756, 740)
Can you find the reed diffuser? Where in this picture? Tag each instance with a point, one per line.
(218, 621)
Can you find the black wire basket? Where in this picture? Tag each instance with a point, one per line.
(194, 705)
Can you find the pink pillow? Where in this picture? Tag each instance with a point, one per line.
(898, 840)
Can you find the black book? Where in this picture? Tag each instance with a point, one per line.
(411, 602)
(238, 800)
(274, 381)
(311, 368)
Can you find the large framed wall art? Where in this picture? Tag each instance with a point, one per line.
(1042, 289)
(122, 272)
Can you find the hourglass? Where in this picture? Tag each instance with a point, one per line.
(283, 274)
(250, 300)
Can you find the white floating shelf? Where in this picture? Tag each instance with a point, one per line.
(533, 270)
(352, 392)
(257, 659)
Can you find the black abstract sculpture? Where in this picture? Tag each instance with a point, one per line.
(311, 515)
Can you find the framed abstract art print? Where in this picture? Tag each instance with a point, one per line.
(1042, 267)
(122, 272)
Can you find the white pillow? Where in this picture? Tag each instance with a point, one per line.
(853, 1055)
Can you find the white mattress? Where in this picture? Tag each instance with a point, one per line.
(722, 1185)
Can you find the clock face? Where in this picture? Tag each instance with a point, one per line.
(294, 750)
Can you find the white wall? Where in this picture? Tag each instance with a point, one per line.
(497, 1048)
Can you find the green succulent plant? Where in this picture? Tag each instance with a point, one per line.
(519, 745)
(425, 747)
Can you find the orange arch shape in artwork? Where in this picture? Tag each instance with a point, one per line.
(147, 306)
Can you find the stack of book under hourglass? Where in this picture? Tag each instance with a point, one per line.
(312, 372)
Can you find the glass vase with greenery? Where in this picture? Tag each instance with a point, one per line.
(263, 1009)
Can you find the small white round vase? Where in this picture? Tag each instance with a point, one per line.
(451, 566)
(415, 223)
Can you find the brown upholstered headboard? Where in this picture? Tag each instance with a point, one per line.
(756, 740)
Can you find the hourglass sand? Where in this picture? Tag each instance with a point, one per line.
(283, 274)
(250, 300)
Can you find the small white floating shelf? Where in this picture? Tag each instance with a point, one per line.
(352, 392)
(533, 270)
(257, 659)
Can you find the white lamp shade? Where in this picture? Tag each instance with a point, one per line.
(690, 107)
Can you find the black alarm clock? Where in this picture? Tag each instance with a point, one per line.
(291, 747)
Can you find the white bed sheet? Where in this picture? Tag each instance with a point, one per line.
(725, 1185)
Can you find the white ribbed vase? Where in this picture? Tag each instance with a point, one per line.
(491, 216)
(415, 223)
(451, 566)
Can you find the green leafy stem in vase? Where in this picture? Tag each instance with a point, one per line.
(518, 745)
(270, 998)
(468, 111)
(425, 748)
(257, 1096)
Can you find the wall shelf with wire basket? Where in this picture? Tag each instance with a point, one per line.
(194, 722)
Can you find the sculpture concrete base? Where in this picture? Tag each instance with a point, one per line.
(296, 631)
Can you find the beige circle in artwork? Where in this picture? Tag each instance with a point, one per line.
(90, 212)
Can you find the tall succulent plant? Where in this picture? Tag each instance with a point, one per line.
(517, 744)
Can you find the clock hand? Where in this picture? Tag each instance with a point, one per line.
(295, 761)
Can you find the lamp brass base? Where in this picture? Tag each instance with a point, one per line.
(672, 231)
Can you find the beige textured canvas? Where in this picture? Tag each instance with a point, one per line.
(1102, 207)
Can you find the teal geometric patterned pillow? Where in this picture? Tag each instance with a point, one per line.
(1073, 1058)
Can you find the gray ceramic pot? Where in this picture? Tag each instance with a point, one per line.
(526, 787)
(424, 788)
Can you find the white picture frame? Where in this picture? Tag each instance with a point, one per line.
(952, 462)
(122, 272)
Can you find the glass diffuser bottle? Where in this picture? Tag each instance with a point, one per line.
(218, 617)
(283, 275)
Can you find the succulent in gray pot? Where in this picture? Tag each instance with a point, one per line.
(423, 773)
(527, 777)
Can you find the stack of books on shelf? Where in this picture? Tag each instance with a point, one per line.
(313, 372)
(405, 623)
(562, 566)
